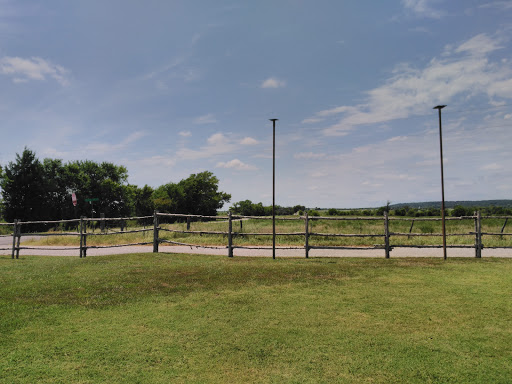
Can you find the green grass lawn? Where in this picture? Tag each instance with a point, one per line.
(159, 318)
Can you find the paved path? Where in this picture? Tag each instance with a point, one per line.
(267, 252)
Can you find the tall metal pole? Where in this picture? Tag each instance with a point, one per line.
(439, 107)
(274, 189)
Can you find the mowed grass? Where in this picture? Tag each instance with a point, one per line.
(159, 318)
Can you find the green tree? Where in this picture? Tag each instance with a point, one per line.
(201, 194)
(196, 195)
(23, 188)
(244, 208)
(459, 211)
(142, 200)
(106, 182)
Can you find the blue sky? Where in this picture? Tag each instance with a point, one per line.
(170, 88)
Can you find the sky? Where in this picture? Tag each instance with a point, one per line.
(172, 88)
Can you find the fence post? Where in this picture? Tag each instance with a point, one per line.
(14, 233)
(155, 232)
(504, 225)
(102, 223)
(81, 235)
(306, 234)
(84, 250)
(478, 235)
(188, 223)
(230, 236)
(19, 241)
(386, 234)
(410, 229)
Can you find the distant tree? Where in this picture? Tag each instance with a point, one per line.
(196, 195)
(380, 211)
(244, 208)
(169, 198)
(333, 212)
(434, 212)
(459, 211)
(400, 211)
(142, 200)
(298, 208)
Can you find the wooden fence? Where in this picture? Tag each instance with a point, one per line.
(83, 223)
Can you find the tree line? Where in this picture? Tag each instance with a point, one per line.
(34, 190)
(42, 190)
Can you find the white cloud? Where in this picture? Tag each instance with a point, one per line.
(398, 138)
(35, 68)
(501, 5)
(236, 164)
(491, 167)
(104, 147)
(312, 120)
(273, 82)
(309, 155)
(205, 119)
(423, 8)
(464, 71)
(217, 139)
(159, 161)
(249, 141)
(336, 111)
(479, 45)
(216, 144)
(185, 133)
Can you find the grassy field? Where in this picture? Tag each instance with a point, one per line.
(155, 318)
(317, 226)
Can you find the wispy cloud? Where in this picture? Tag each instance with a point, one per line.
(465, 70)
(185, 133)
(23, 70)
(309, 155)
(423, 8)
(273, 82)
(104, 147)
(312, 120)
(216, 144)
(249, 141)
(205, 119)
(502, 5)
(237, 165)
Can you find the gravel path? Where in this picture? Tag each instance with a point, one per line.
(267, 252)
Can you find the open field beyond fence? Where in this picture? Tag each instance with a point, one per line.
(233, 232)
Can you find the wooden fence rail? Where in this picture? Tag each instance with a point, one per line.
(308, 234)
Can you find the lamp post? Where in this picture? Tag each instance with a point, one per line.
(439, 107)
(274, 188)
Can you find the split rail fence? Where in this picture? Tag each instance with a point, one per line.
(308, 234)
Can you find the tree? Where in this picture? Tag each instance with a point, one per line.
(106, 182)
(23, 188)
(196, 195)
(333, 212)
(459, 211)
(248, 208)
(201, 194)
(142, 200)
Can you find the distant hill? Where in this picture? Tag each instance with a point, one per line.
(451, 204)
